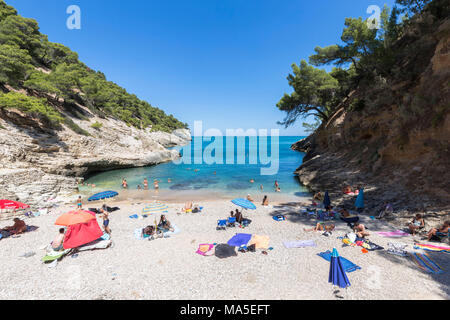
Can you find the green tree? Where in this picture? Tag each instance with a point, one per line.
(313, 92)
(14, 64)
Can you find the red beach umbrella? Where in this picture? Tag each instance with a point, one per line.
(10, 204)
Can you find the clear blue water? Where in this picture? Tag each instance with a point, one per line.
(230, 179)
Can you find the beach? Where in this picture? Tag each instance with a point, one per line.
(170, 268)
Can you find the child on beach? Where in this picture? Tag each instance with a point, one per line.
(79, 203)
(417, 223)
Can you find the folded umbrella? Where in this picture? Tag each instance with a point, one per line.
(337, 275)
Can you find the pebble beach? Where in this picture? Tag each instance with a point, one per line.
(170, 268)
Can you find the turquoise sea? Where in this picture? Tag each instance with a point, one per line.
(225, 180)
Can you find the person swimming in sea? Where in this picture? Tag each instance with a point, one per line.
(145, 184)
(252, 181)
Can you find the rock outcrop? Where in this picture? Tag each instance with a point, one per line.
(398, 145)
(37, 164)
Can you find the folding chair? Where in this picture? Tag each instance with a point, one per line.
(221, 225)
(231, 222)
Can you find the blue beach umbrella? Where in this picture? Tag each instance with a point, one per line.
(359, 203)
(337, 276)
(326, 200)
(103, 195)
(244, 203)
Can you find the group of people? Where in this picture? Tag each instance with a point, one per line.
(144, 184)
(240, 218)
(418, 224)
(154, 232)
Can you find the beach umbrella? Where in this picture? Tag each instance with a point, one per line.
(239, 239)
(156, 207)
(103, 195)
(244, 203)
(10, 204)
(326, 200)
(75, 217)
(359, 203)
(337, 276)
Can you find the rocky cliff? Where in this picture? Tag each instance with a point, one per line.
(38, 163)
(396, 143)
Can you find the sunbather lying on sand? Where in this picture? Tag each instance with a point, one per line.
(442, 229)
(318, 196)
(249, 198)
(18, 227)
(187, 207)
(321, 227)
(360, 230)
(344, 213)
(416, 224)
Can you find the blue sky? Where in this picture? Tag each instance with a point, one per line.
(224, 62)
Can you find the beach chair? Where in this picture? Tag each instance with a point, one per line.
(231, 222)
(221, 224)
(441, 236)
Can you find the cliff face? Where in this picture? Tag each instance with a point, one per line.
(398, 144)
(38, 163)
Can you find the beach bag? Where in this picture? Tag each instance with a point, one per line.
(351, 236)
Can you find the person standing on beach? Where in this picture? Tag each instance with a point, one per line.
(156, 184)
(105, 217)
(265, 201)
(124, 184)
(79, 203)
(261, 187)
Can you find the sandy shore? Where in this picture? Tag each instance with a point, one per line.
(170, 269)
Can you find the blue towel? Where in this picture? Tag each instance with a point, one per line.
(239, 239)
(346, 264)
(134, 216)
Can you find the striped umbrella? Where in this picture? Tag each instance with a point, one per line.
(155, 207)
(103, 195)
(244, 203)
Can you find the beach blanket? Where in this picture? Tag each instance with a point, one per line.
(205, 249)
(299, 244)
(260, 242)
(430, 247)
(424, 262)
(393, 234)
(346, 264)
(239, 239)
(138, 235)
(97, 244)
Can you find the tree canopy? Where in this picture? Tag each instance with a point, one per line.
(25, 54)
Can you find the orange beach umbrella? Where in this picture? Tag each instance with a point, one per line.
(75, 217)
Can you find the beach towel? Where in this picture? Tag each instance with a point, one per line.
(299, 244)
(134, 216)
(176, 230)
(97, 244)
(397, 248)
(346, 264)
(430, 247)
(239, 239)
(205, 249)
(393, 234)
(424, 262)
(260, 242)
(54, 255)
(138, 234)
